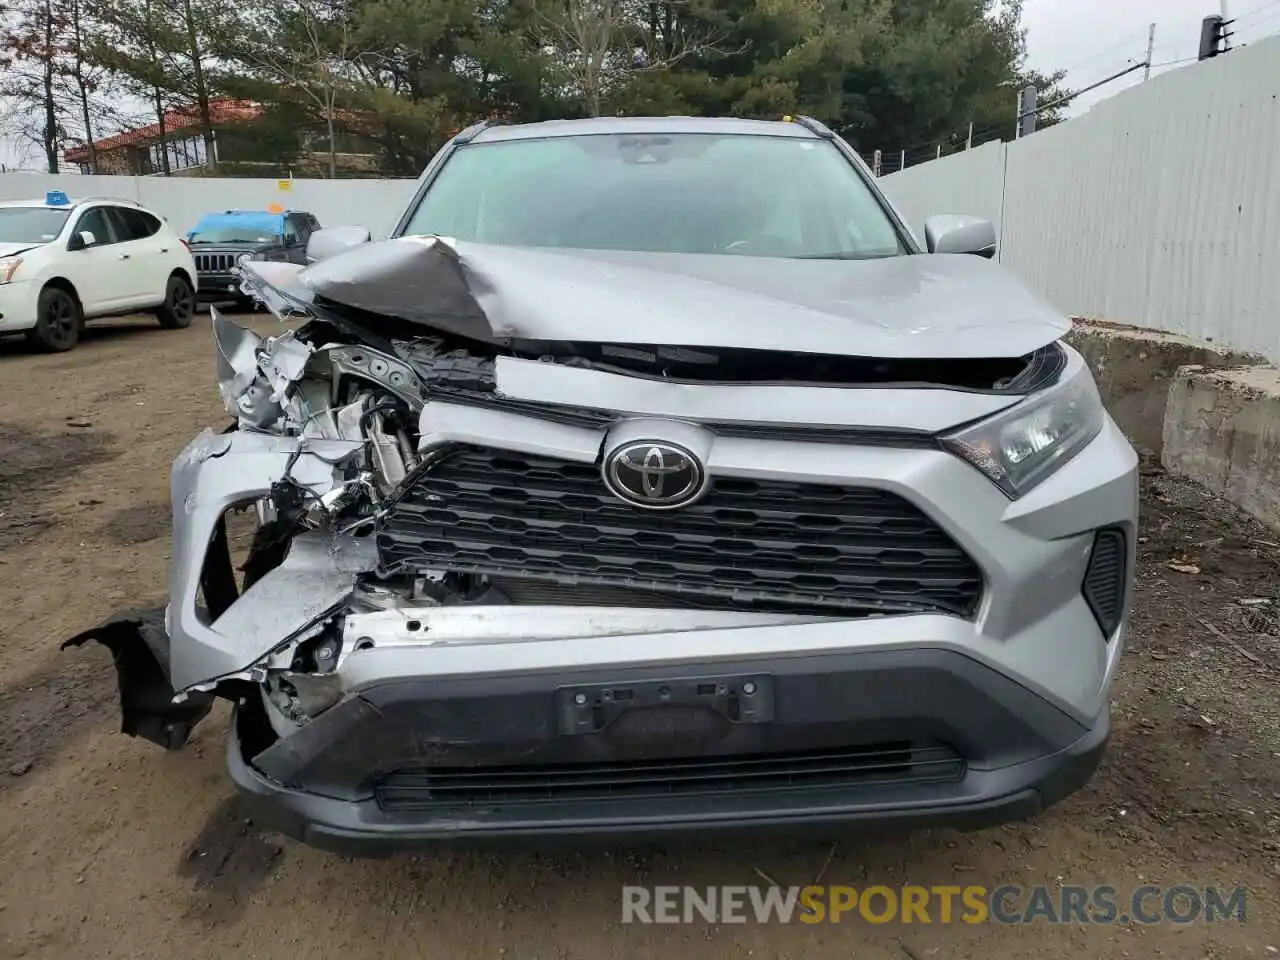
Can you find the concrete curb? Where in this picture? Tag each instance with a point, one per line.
(1222, 430)
(1134, 369)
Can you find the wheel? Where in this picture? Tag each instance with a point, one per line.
(179, 304)
(58, 321)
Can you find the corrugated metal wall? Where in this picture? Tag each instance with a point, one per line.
(375, 204)
(922, 191)
(1158, 208)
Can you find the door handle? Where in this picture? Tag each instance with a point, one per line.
(164, 249)
(124, 256)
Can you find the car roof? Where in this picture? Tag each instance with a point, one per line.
(642, 125)
(252, 213)
(71, 204)
(37, 203)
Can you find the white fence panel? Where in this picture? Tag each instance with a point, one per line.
(375, 204)
(971, 182)
(1158, 208)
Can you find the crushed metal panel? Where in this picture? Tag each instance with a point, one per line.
(203, 486)
(316, 576)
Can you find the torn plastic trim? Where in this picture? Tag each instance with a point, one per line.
(149, 707)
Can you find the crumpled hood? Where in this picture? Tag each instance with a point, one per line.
(908, 306)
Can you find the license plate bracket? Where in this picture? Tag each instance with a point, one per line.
(590, 708)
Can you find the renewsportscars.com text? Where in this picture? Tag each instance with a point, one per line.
(973, 904)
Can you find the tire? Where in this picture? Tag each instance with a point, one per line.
(179, 304)
(59, 321)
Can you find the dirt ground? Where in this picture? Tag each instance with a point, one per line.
(110, 847)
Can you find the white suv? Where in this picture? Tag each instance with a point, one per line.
(63, 262)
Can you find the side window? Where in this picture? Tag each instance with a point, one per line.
(138, 224)
(291, 234)
(96, 222)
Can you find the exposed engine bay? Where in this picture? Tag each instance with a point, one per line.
(365, 440)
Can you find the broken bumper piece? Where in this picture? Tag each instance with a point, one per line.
(139, 646)
(939, 738)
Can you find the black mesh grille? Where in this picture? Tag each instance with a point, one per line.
(751, 543)
(892, 763)
(1104, 579)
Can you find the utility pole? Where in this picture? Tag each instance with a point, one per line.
(875, 164)
(902, 163)
(1027, 110)
(968, 142)
(939, 156)
(1151, 45)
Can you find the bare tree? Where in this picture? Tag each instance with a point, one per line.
(199, 87)
(306, 46)
(85, 77)
(598, 45)
(29, 63)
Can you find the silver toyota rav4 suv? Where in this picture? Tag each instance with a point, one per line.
(651, 478)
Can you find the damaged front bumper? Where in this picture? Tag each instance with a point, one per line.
(449, 624)
(910, 736)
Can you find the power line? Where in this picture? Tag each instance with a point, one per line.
(1253, 12)
(1127, 62)
(1168, 63)
(1256, 23)
(1102, 53)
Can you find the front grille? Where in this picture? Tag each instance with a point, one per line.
(215, 262)
(753, 543)
(426, 788)
(1104, 579)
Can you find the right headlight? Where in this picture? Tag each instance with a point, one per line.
(1023, 446)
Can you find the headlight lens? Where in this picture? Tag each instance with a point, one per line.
(1028, 443)
(245, 257)
(9, 266)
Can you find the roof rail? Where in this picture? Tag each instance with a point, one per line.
(132, 203)
(817, 126)
(467, 134)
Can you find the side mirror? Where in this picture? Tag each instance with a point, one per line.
(954, 233)
(328, 241)
(79, 241)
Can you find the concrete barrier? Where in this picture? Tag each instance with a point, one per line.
(1222, 430)
(1135, 367)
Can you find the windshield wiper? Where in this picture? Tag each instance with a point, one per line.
(846, 255)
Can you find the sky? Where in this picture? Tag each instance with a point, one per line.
(1093, 39)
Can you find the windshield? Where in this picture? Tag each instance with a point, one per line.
(240, 233)
(31, 224)
(671, 193)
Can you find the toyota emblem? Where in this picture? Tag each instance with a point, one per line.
(654, 474)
